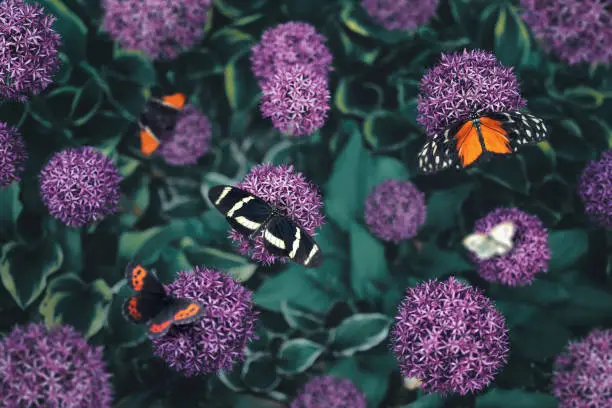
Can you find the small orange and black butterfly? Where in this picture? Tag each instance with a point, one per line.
(151, 304)
(479, 138)
(158, 117)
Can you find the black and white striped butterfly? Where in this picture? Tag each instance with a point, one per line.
(466, 143)
(251, 216)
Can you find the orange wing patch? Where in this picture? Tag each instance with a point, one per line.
(177, 100)
(137, 277)
(132, 308)
(468, 144)
(190, 311)
(148, 142)
(494, 136)
(160, 328)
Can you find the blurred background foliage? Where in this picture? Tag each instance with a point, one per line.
(334, 319)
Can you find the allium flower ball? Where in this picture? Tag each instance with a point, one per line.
(189, 139)
(330, 392)
(576, 30)
(219, 339)
(462, 83)
(595, 189)
(400, 14)
(583, 373)
(80, 186)
(160, 28)
(395, 210)
(530, 252)
(29, 46)
(55, 367)
(290, 192)
(296, 100)
(449, 336)
(13, 155)
(286, 45)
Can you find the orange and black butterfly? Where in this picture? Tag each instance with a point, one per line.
(479, 138)
(158, 117)
(151, 304)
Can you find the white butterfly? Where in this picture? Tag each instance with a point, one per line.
(497, 242)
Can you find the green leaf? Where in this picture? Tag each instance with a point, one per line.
(229, 42)
(427, 401)
(241, 87)
(498, 398)
(236, 266)
(234, 9)
(357, 20)
(70, 27)
(24, 269)
(145, 246)
(444, 206)
(135, 66)
(360, 332)
(123, 332)
(512, 42)
(70, 242)
(373, 384)
(297, 355)
(567, 246)
(259, 373)
(386, 132)
(11, 209)
(433, 262)
(300, 320)
(354, 97)
(84, 306)
(509, 172)
(586, 97)
(588, 306)
(540, 292)
(369, 271)
(539, 338)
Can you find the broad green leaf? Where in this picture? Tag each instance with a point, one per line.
(232, 379)
(357, 20)
(433, 262)
(360, 332)
(236, 266)
(369, 271)
(299, 319)
(498, 398)
(297, 355)
(508, 172)
(354, 97)
(135, 66)
(567, 246)
(241, 87)
(539, 338)
(540, 292)
(121, 331)
(87, 101)
(145, 246)
(386, 132)
(427, 401)
(11, 209)
(373, 384)
(259, 373)
(444, 206)
(71, 29)
(234, 9)
(70, 242)
(512, 42)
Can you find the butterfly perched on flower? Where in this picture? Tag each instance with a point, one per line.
(465, 143)
(151, 304)
(497, 242)
(158, 117)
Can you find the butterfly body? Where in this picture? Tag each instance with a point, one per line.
(497, 242)
(252, 217)
(159, 117)
(152, 306)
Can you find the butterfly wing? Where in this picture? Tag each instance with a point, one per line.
(522, 128)
(176, 311)
(503, 233)
(440, 152)
(143, 281)
(175, 101)
(141, 308)
(480, 245)
(156, 121)
(283, 237)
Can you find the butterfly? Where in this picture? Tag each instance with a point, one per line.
(465, 143)
(250, 216)
(151, 304)
(158, 117)
(497, 242)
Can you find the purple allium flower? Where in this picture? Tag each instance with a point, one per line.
(395, 210)
(400, 14)
(290, 192)
(576, 30)
(159, 28)
(330, 392)
(297, 101)
(80, 186)
(13, 155)
(286, 45)
(450, 336)
(530, 252)
(29, 46)
(55, 367)
(583, 374)
(189, 139)
(217, 340)
(462, 83)
(595, 189)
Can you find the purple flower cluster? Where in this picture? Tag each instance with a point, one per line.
(13, 155)
(395, 210)
(217, 340)
(464, 83)
(450, 337)
(55, 367)
(576, 30)
(530, 252)
(330, 392)
(289, 191)
(400, 14)
(582, 374)
(29, 46)
(159, 28)
(80, 186)
(595, 189)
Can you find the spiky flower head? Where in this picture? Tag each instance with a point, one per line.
(286, 45)
(55, 367)
(80, 186)
(575, 30)
(13, 155)
(464, 83)
(29, 46)
(189, 139)
(330, 392)
(297, 101)
(403, 15)
(595, 189)
(449, 336)
(582, 373)
(219, 339)
(530, 252)
(290, 192)
(162, 29)
(395, 210)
